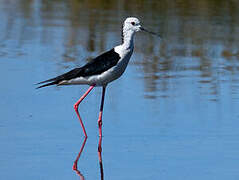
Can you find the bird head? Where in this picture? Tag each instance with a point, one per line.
(133, 24)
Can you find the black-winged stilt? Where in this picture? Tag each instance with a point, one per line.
(103, 69)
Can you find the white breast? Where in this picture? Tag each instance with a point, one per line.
(116, 71)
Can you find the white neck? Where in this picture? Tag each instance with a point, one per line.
(128, 39)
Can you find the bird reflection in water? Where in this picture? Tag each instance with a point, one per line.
(100, 158)
(75, 168)
(77, 158)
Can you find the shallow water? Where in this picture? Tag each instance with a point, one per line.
(172, 115)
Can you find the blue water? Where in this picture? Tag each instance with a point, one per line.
(172, 115)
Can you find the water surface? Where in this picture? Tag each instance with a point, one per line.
(172, 115)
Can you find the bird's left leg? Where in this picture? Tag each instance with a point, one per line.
(101, 112)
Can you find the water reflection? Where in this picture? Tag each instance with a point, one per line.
(100, 158)
(75, 165)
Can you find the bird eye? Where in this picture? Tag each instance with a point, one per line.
(133, 23)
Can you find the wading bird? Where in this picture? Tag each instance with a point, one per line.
(103, 69)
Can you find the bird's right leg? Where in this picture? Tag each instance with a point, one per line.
(77, 105)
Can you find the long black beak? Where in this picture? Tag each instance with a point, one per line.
(150, 32)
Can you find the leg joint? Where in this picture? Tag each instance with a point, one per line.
(99, 122)
(75, 107)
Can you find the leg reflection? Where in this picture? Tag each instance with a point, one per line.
(100, 158)
(99, 155)
(76, 161)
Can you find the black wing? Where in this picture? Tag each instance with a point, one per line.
(96, 66)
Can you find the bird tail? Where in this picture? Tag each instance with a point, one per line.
(57, 80)
(48, 84)
(52, 81)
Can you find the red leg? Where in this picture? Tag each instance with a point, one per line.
(100, 114)
(77, 158)
(100, 159)
(77, 105)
